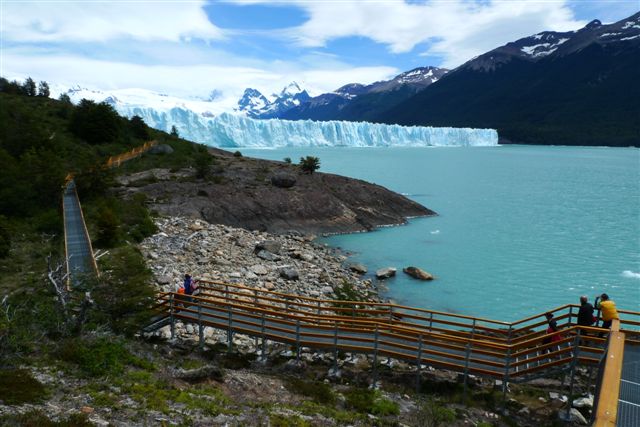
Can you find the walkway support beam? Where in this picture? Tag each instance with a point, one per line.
(607, 410)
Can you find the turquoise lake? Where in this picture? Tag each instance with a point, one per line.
(520, 229)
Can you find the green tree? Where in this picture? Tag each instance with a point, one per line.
(29, 87)
(202, 162)
(43, 89)
(139, 128)
(309, 164)
(174, 131)
(108, 225)
(287, 160)
(64, 98)
(95, 123)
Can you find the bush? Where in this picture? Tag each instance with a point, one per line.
(319, 392)
(370, 402)
(37, 418)
(124, 293)
(287, 160)
(17, 386)
(5, 237)
(96, 358)
(237, 154)
(309, 164)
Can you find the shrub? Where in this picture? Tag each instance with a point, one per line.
(17, 386)
(5, 237)
(309, 164)
(237, 154)
(287, 160)
(37, 418)
(124, 293)
(96, 358)
(319, 392)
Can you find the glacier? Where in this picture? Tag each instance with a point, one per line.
(233, 131)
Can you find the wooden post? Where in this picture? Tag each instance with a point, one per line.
(229, 332)
(419, 364)
(200, 327)
(375, 358)
(298, 340)
(173, 319)
(574, 362)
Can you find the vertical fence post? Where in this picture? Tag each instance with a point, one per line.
(419, 364)
(570, 315)
(574, 362)
(200, 327)
(505, 378)
(264, 341)
(173, 319)
(335, 349)
(298, 340)
(430, 321)
(466, 361)
(229, 331)
(375, 358)
(390, 313)
(319, 311)
(255, 303)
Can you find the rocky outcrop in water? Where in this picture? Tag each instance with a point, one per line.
(241, 192)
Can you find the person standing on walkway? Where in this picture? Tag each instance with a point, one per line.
(608, 310)
(585, 314)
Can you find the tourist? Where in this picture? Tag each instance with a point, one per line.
(607, 309)
(585, 314)
(188, 284)
(553, 327)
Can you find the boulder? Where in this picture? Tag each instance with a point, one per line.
(582, 402)
(205, 372)
(268, 256)
(574, 416)
(289, 273)
(358, 268)
(258, 269)
(268, 245)
(161, 149)
(385, 273)
(164, 280)
(417, 273)
(283, 180)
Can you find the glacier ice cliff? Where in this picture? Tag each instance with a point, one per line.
(229, 130)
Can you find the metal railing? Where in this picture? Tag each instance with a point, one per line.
(511, 352)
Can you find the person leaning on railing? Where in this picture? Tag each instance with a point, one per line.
(608, 310)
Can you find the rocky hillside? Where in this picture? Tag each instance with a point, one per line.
(271, 196)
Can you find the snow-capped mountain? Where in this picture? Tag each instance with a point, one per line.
(360, 102)
(558, 44)
(562, 88)
(255, 105)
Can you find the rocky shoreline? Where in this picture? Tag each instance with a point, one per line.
(271, 196)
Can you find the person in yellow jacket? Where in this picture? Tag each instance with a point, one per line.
(608, 310)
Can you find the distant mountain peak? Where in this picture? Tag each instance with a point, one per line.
(593, 24)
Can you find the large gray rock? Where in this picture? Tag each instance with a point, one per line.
(358, 268)
(272, 246)
(385, 273)
(574, 416)
(289, 273)
(268, 256)
(258, 269)
(283, 180)
(417, 273)
(161, 149)
(582, 402)
(205, 372)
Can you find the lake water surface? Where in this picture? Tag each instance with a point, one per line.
(521, 229)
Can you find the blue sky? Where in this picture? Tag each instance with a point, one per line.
(190, 48)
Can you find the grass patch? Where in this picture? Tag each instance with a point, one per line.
(17, 386)
(370, 402)
(101, 357)
(39, 419)
(318, 391)
(278, 420)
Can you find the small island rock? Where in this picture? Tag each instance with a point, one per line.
(358, 268)
(385, 273)
(418, 273)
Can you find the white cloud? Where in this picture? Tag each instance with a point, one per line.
(454, 29)
(101, 21)
(186, 80)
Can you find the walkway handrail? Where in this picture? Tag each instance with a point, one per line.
(607, 406)
(506, 333)
(464, 351)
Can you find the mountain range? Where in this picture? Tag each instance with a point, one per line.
(563, 88)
